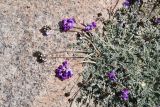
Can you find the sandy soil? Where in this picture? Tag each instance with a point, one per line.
(23, 81)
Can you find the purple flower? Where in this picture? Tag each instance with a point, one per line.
(157, 21)
(65, 64)
(69, 73)
(127, 4)
(90, 26)
(140, 2)
(63, 71)
(67, 24)
(124, 94)
(112, 75)
(61, 67)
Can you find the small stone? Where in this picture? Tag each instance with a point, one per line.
(70, 100)
(99, 14)
(67, 94)
(40, 57)
(80, 84)
(44, 30)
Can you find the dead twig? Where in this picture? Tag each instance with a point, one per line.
(112, 11)
(76, 93)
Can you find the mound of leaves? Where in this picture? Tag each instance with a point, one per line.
(129, 45)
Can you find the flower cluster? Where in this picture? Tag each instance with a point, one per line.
(67, 24)
(112, 75)
(157, 21)
(128, 3)
(139, 2)
(63, 71)
(90, 26)
(125, 94)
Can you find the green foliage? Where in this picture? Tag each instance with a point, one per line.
(130, 44)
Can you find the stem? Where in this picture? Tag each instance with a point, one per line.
(112, 11)
(92, 62)
(76, 82)
(73, 31)
(79, 28)
(154, 7)
(69, 57)
(98, 52)
(72, 51)
(89, 62)
(76, 93)
(84, 62)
